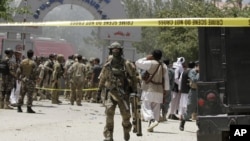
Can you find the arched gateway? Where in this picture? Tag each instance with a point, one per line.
(100, 9)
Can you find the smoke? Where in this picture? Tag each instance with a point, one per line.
(73, 35)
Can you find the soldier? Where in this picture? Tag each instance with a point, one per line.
(16, 90)
(40, 81)
(38, 61)
(27, 74)
(67, 65)
(56, 75)
(77, 74)
(89, 72)
(8, 79)
(45, 74)
(94, 78)
(118, 78)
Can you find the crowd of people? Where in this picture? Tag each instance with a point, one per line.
(167, 90)
(46, 78)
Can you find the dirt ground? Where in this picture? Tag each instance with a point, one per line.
(65, 122)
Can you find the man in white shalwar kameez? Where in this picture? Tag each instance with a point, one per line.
(152, 92)
(175, 99)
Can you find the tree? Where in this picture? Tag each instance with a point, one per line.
(5, 10)
(181, 41)
(144, 9)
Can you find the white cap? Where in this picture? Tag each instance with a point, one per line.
(181, 60)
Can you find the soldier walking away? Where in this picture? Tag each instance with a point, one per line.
(8, 79)
(118, 78)
(27, 74)
(77, 73)
(56, 75)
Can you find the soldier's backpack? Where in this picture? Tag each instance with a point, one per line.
(4, 67)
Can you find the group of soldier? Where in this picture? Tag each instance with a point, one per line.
(46, 78)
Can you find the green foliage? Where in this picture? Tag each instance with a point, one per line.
(5, 10)
(181, 41)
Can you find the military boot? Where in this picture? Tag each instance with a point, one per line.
(29, 110)
(19, 109)
(126, 136)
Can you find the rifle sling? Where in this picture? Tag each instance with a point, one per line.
(151, 76)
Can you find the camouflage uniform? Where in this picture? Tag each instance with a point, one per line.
(57, 73)
(119, 79)
(8, 82)
(67, 65)
(94, 78)
(45, 74)
(77, 73)
(39, 62)
(89, 72)
(27, 75)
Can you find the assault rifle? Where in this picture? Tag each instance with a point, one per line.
(136, 113)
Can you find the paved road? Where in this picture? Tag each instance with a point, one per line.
(73, 123)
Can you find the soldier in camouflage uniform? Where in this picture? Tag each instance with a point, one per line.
(67, 65)
(38, 61)
(16, 91)
(27, 75)
(8, 80)
(46, 74)
(56, 75)
(89, 72)
(118, 78)
(77, 73)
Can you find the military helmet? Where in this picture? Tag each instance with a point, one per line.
(115, 45)
(9, 51)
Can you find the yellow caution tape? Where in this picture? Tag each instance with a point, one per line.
(52, 89)
(157, 22)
